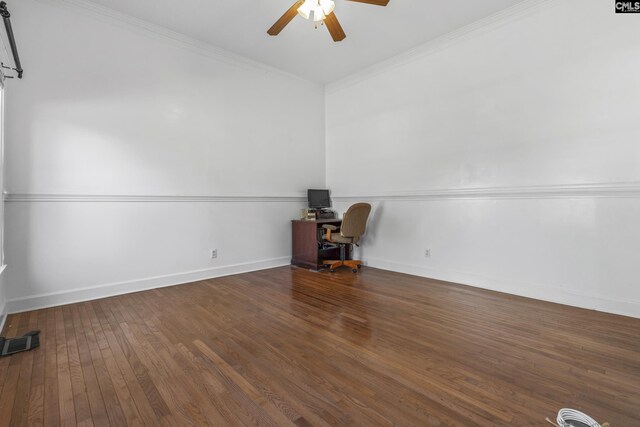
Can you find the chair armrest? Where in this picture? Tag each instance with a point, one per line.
(329, 228)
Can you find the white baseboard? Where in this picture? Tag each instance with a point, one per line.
(3, 315)
(102, 291)
(3, 304)
(541, 292)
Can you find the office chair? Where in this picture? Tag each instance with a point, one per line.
(352, 228)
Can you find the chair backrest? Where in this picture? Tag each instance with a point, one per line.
(355, 221)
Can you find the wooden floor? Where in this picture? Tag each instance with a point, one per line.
(291, 347)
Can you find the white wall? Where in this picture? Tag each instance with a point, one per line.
(3, 301)
(3, 291)
(130, 154)
(510, 150)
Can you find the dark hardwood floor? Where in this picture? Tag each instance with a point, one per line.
(288, 346)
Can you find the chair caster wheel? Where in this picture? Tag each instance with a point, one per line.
(359, 265)
(355, 270)
(331, 270)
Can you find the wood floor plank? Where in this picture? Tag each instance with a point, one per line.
(341, 370)
(107, 390)
(138, 395)
(65, 388)
(337, 343)
(80, 399)
(13, 325)
(120, 387)
(233, 347)
(51, 408)
(36, 398)
(94, 395)
(208, 386)
(20, 412)
(287, 346)
(174, 393)
(141, 372)
(244, 385)
(16, 325)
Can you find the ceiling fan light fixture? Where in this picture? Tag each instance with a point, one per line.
(320, 11)
(318, 14)
(327, 6)
(307, 7)
(319, 8)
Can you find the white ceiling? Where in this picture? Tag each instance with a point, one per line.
(374, 33)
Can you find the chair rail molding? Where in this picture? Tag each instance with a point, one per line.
(26, 197)
(560, 191)
(564, 191)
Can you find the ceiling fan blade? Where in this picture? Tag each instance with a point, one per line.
(285, 19)
(334, 27)
(374, 2)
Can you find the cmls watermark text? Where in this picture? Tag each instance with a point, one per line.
(627, 6)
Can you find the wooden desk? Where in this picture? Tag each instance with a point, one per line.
(306, 247)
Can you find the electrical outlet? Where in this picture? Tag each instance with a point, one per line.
(427, 253)
(214, 253)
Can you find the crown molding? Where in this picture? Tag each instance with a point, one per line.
(467, 32)
(160, 33)
(570, 191)
(563, 191)
(174, 38)
(118, 198)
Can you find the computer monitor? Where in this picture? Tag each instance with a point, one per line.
(319, 199)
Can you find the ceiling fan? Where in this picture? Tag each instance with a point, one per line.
(321, 11)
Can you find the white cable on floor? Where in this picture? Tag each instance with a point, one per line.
(566, 415)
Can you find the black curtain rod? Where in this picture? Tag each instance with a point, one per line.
(6, 17)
